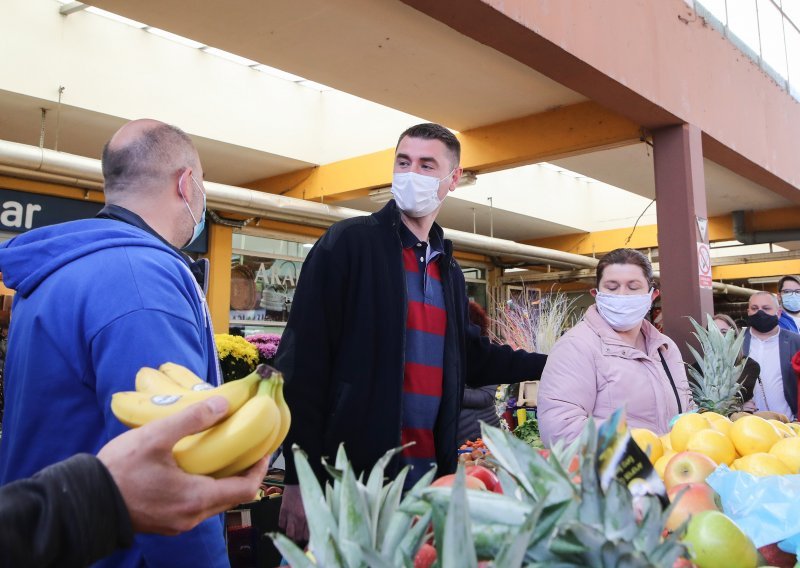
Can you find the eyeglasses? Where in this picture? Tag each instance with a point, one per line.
(790, 292)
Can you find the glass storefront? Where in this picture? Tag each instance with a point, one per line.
(264, 274)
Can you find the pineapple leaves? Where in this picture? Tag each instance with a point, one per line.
(458, 549)
(715, 386)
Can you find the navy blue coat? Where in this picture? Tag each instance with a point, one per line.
(343, 350)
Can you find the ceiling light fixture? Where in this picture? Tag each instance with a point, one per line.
(174, 37)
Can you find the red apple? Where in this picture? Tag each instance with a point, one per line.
(687, 467)
(774, 556)
(426, 556)
(692, 498)
(448, 480)
(486, 475)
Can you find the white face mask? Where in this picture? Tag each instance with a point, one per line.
(623, 311)
(415, 194)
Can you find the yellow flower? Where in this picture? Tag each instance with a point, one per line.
(237, 348)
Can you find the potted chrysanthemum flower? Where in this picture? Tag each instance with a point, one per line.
(267, 345)
(237, 357)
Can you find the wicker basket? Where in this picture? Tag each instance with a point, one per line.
(243, 288)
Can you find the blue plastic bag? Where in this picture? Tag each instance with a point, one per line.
(765, 508)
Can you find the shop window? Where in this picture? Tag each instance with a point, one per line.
(264, 275)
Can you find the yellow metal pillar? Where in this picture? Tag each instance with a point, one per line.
(220, 249)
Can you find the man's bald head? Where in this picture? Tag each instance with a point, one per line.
(762, 300)
(143, 155)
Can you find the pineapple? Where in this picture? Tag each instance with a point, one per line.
(544, 517)
(716, 386)
(353, 524)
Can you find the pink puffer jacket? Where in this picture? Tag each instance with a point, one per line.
(591, 372)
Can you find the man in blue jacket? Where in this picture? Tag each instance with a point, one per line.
(789, 290)
(96, 300)
(378, 346)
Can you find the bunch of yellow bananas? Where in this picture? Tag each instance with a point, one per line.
(255, 425)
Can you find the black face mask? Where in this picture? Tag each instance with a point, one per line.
(762, 322)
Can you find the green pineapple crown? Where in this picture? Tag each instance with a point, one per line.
(716, 385)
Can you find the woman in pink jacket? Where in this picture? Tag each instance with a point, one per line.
(614, 358)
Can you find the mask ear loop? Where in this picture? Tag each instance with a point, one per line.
(180, 184)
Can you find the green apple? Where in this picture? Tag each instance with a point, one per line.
(714, 541)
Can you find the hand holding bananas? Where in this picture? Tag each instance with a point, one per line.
(255, 423)
(160, 497)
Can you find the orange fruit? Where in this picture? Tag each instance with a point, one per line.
(649, 442)
(753, 434)
(684, 427)
(788, 451)
(715, 445)
(761, 464)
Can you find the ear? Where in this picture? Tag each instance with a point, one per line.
(593, 292)
(456, 177)
(185, 188)
(656, 294)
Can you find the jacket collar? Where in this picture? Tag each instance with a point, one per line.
(654, 339)
(198, 268)
(390, 216)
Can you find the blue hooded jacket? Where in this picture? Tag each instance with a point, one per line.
(96, 300)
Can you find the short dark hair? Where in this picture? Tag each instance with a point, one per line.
(625, 256)
(431, 131)
(783, 280)
(156, 152)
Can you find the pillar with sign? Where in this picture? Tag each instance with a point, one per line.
(683, 253)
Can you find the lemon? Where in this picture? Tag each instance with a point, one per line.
(666, 443)
(788, 451)
(723, 425)
(685, 426)
(753, 434)
(783, 429)
(761, 464)
(712, 416)
(795, 426)
(649, 442)
(661, 465)
(715, 445)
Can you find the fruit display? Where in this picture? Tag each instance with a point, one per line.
(545, 515)
(751, 444)
(256, 422)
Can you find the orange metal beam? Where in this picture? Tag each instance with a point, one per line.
(550, 135)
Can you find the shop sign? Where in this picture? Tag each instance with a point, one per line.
(21, 212)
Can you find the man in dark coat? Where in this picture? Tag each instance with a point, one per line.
(378, 347)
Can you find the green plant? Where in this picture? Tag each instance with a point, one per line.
(528, 432)
(716, 386)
